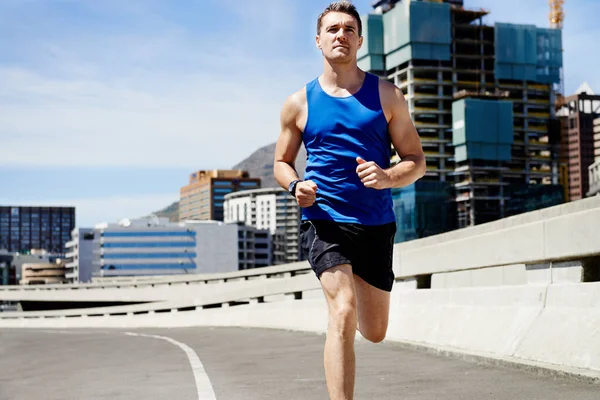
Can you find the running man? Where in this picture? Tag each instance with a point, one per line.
(348, 119)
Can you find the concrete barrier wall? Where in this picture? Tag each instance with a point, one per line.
(567, 332)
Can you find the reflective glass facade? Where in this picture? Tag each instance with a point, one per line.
(526, 198)
(423, 209)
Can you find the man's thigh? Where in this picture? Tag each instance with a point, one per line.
(338, 286)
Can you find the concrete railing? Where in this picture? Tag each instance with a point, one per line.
(509, 251)
(253, 292)
(524, 288)
(168, 280)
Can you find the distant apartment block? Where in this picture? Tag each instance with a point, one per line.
(594, 170)
(580, 111)
(48, 273)
(597, 139)
(204, 196)
(79, 256)
(273, 209)
(11, 264)
(46, 228)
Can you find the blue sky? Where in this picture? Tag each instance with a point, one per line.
(109, 105)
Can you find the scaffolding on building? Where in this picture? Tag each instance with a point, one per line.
(432, 85)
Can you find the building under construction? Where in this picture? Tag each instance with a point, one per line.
(481, 98)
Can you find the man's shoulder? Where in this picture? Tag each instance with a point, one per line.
(390, 93)
(387, 87)
(296, 101)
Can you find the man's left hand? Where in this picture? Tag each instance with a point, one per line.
(371, 175)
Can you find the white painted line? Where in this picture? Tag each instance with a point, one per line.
(203, 385)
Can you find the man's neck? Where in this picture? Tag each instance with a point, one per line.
(343, 76)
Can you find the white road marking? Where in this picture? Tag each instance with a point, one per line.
(203, 385)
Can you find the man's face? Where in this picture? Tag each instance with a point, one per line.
(339, 39)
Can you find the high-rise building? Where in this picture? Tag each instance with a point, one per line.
(579, 112)
(481, 98)
(79, 256)
(271, 208)
(594, 170)
(46, 228)
(203, 197)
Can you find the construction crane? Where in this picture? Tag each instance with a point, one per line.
(557, 14)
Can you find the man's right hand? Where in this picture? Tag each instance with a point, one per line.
(306, 193)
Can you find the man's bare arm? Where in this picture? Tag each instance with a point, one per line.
(406, 141)
(288, 143)
(286, 151)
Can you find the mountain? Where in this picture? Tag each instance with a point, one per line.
(259, 165)
(171, 212)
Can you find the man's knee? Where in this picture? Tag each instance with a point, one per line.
(343, 317)
(374, 334)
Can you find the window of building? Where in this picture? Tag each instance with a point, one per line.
(249, 184)
(222, 183)
(572, 123)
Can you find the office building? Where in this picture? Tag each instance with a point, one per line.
(579, 112)
(25, 228)
(594, 169)
(273, 209)
(259, 247)
(79, 256)
(155, 246)
(203, 197)
(481, 98)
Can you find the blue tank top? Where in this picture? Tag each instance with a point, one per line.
(337, 131)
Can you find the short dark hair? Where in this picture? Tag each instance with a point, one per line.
(343, 6)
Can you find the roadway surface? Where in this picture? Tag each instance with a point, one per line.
(243, 364)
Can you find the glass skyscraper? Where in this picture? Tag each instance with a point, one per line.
(26, 228)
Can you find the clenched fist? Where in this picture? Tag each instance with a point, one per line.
(371, 174)
(306, 193)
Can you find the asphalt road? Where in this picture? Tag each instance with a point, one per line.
(243, 364)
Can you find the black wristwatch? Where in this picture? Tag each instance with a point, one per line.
(292, 187)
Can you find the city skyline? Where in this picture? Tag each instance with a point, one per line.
(110, 107)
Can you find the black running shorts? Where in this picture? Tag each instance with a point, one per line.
(368, 249)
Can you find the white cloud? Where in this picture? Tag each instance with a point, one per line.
(200, 120)
(165, 100)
